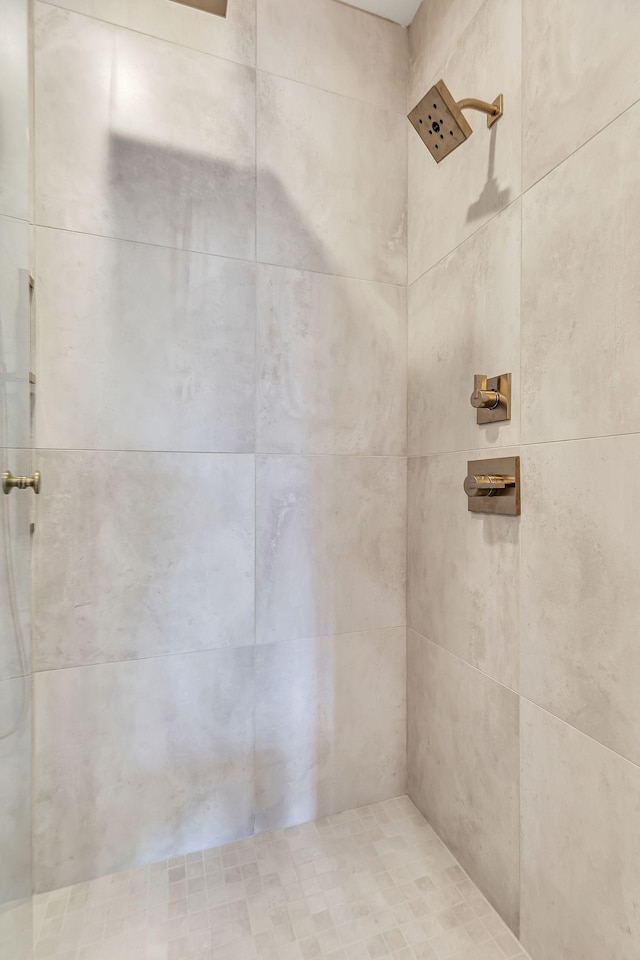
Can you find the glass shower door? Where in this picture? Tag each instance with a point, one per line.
(15, 456)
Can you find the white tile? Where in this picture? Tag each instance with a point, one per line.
(353, 886)
(580, 844)
(464, 318)
(331, 183)
(331, 543)
(17, 929)
(232, 37)
(140, 761)
(291, 34)
(331, 364)
(450, 200)
(580, 605)
(579, 72)
(159, 345)
(142, 140)
(580, 292)
(330, 725)
(450, 598)
(15, 166)
(141, 554)
(15, 788)
(463, 767)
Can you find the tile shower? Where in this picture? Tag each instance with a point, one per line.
(261, 614)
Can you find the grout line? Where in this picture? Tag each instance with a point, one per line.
(521, 696)
(217, 453)
(7, 218)
(482, 226)
(207, 650)
(581, 145)
(524, 192)
(399, 112)
(218, 256)
(525, 444)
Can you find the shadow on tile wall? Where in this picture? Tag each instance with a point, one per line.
(170, 730)
(492, 199)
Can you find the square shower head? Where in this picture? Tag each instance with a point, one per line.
(440, 122)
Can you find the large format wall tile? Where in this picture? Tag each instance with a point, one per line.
(159, 345)
(464, 318)
(580, 845)
(232, 37)
(450, 200)
(433, 38)
(291, 34)
(580, 292)
(463, 569)
(332, 355)
(136, 762)
(330, 725)
(140, 554)
(141, 139)
(331, 183)
(580, 70)
(463, 767)
(331, 535)
(580, 603)
(15, 788)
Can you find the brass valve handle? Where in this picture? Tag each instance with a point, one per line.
(486, 485)
(9, 482)
(481, 397)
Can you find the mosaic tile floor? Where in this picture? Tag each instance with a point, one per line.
(368, 884)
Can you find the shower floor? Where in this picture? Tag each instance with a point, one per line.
(370, 883)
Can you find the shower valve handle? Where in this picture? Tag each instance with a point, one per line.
(481, 398)
(485, 485)
(9, 482)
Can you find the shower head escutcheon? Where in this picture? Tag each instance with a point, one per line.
(440, 122)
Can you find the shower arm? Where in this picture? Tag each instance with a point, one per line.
(493, 110)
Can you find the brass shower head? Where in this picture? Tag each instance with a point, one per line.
(440, 123)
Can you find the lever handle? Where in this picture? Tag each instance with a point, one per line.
(9, 482)
(485, 485)
(481, 397)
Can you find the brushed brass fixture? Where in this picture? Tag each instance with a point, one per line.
(21, 483)
(440, 123)
(492, 397)
(493, 486)
(219, 7)
(493, 110)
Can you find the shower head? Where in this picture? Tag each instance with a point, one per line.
(440, 123)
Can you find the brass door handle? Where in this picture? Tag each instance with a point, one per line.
(485, 485)
(9, 482)
(482, 398)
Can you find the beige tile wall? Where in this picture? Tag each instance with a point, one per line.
(523, 714)
(173, 180)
